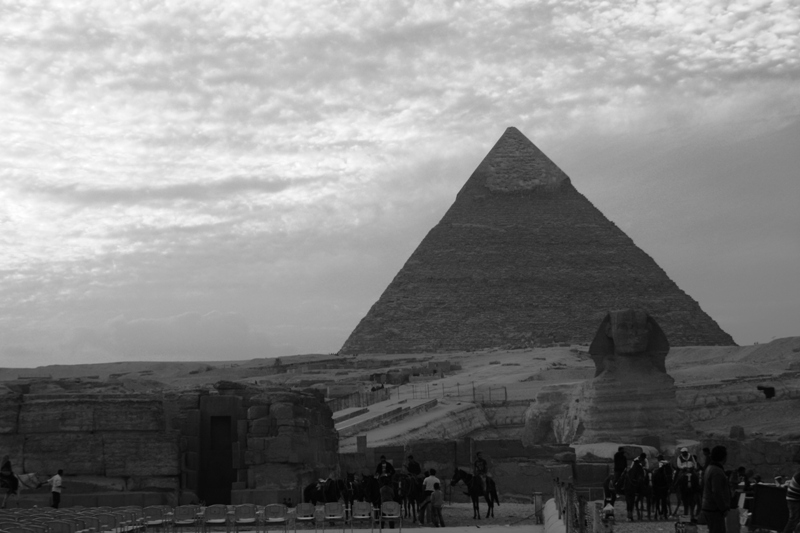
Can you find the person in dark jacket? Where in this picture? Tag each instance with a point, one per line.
(793, 503)
(716, 491)
(620, 462)
(384, 469)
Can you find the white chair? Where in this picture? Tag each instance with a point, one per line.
(215, 515)
(276, 514)
(334, 511)
(362, 511)
(390, 512)
(305, 512)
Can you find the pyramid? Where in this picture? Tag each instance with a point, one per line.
(521, 259)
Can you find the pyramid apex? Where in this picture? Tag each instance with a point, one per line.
(515, 164)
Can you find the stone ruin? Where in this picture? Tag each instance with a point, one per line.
(522, 259)
(631, 398)
(227, 444)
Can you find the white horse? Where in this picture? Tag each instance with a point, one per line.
(30, 481)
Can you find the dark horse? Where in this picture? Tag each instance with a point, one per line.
(687, 483)
(410, 493)
(324, 491)
(475, 490)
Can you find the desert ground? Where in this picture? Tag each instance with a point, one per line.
(721, 380)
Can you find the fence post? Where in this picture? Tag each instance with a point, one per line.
(473, 392)
(581, 514)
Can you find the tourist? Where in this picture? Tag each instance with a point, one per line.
(620, 462)
(793, 503)
(55, 488)
(428, 484)
(437, 501)
(8, 480)
(716, 492)
(413, 467)
(480, 466)
(384, 469)
(634, 483)
(609, 493)
(686, 461)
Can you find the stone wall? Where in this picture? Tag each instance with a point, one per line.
(115, 448)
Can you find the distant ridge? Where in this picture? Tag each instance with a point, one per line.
(522, 258)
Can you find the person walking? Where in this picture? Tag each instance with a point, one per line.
(55, 488)
(437, 502)
(620, 463)
(793, 503)
(716, 491)
(429, 485)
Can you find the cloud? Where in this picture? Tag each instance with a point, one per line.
(193, 336)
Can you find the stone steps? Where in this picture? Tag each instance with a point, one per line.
(380, 415)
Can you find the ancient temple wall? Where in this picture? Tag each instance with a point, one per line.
(120, 448)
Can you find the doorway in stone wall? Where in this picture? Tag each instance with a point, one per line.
(217, 474)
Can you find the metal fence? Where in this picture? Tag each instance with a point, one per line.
(468, 392)
(572, 507)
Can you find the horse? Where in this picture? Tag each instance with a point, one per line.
(324, 490)
(13, 485)
(662, 479)
(371, 489)
(475, 490)
(410, 493)
(687, 483)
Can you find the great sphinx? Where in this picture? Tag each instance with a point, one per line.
(630, 397)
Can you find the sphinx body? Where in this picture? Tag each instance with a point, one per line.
(630, 397)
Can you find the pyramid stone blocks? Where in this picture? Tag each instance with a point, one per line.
(521, 258)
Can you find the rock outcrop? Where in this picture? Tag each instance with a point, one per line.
(631, 398)
(521, 259)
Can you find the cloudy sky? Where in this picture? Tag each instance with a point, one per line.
(205, 180)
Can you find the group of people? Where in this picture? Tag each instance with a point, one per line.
(716, 486)
(10, 482)
(431, 485)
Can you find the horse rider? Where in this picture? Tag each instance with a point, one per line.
(686, 462)
(481, 468)
(384, 468)
(8, 480)
(413, 467)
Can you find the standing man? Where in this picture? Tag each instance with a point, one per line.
(480, 466)
(55, 488)
(8, 480)
(413, 467)
(384, 469)
(793, 503)
(429, 485)
(620, 463)
(716, 491)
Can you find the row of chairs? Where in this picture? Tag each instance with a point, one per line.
(196, 518)
(337, 512)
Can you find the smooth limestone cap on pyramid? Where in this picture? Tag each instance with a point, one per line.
(520, 259)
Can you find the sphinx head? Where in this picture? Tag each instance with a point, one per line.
(625, 333)
(630, 331)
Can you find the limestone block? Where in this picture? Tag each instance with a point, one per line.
(129, 415)
(9, 413)
(76, 453)
(89, 484)
(283, 449)
(156, 483)
(264, 427)
(142, 454)
(60, 416)
(276, 476)
(188, 400)
(191, 423)
(257, 411)
(737, 432)
(255, 457)
(255, 443)
(282, 411)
